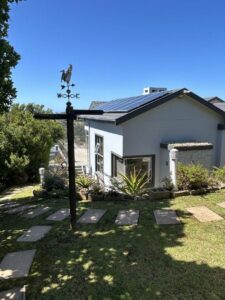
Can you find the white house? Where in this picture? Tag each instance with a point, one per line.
(143, 131)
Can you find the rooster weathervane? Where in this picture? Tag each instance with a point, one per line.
(66, 77)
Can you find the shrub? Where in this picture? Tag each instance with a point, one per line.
(17, 168)
(219, 174)
(25, 143)
(96, 188)
(84, 181)
(192, 176)
(167, 184)
(53, 183)
(134, 184)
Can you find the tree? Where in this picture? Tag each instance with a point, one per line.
(8, 58)
(25, 143)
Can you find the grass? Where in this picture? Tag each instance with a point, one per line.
(105, 261)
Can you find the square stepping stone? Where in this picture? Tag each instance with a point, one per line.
(91, 216)
(222, 204)
(16, 264)
(204, 214)
(166, 217)
(127, 217)
(35, 233)
(36, 212)
(20, 209)
(59, 215)
(13, 294)
(8, 205)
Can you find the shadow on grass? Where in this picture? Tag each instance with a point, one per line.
(105, 261)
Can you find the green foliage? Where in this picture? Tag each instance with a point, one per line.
(84, 181)
(53, 183)
(17, 163)
(8, 58)
(25, 142)
(219, 174)
(192, 176)
(134, 184)
(96, 188)
(167, 183)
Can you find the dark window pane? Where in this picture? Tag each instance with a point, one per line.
(140, 164)
(117, 166)
(99, 154)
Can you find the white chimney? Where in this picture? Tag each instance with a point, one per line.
(150, 90)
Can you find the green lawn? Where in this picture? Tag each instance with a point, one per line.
(104, 261)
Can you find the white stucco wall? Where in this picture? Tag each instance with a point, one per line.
(203, 157)
(178, 120)
(113, 142)
(221, 154)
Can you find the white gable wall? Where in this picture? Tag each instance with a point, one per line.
(180, 119)
(112, 142)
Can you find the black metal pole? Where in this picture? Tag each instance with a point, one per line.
(71, 167)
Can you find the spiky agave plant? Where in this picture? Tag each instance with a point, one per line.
(134, 184)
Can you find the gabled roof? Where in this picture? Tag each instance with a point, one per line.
(131, 103)
(122, 110)
(95, 104)
(220, 105)
(214, 99)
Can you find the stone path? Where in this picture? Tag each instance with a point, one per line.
(13, 294)
(127, 217)
(59, 215)
(8, 205)
(20, 209)
(36, 212)
(35, 233)
(166, 217)
(222, 204)
(203, 214)
(16, 264)
(91, 216)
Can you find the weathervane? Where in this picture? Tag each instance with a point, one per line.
(70, 116)
(66, 77)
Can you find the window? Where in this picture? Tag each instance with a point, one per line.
(127, 165)
(99, 153)
(117, 166)
(143, 164)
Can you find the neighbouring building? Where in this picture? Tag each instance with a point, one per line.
(143, 131)
(214, 99)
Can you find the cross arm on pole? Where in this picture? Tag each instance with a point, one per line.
(50, 116)
(64, 116)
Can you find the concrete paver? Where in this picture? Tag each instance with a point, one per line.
(16, 264)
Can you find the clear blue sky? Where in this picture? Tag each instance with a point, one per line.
(117, 47)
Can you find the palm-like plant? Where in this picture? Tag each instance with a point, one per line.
(134, 184)
(84, 182)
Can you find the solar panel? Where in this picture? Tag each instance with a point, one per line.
(128, 104)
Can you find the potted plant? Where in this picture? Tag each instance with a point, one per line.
(96, 193)
(163, 192)
(84, 183)
(159, 193)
